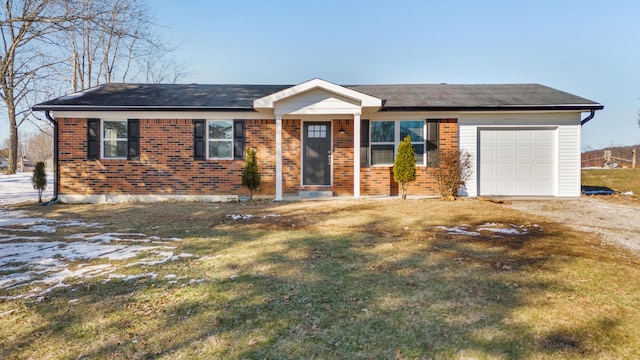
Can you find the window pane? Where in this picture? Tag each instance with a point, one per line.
(220, 149)
(415, 129)
(115, 129)
(419, 153)
(382, 131)
(317, 131)
(115, 148)
(382, 154)
(220, 129)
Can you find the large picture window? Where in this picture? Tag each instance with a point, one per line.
(385, 137)
(220, 139)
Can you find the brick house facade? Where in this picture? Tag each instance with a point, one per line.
(120, 142)
(166, 164)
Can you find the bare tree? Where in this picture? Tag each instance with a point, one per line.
(25, 25)
(39, 146)
(115, 41)
(81, 42)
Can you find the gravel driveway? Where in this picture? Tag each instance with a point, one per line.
(615, 222)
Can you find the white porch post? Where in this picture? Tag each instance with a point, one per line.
(278, 157)
(356, 155)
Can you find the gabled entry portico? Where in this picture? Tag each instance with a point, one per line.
(316, 103)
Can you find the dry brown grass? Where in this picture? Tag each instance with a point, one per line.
(342, 279)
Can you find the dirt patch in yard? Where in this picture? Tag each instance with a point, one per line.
(615, 219)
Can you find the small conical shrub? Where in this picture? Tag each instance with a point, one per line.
(404, 167)
(251, 173)
(39, 179)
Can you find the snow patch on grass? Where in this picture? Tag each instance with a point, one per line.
(249, 216)
(39, 266)
(458, 230)
(495, 228)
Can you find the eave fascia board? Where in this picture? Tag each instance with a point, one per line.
(137, 108)
(496, 108)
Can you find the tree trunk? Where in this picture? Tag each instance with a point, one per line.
(13, 138)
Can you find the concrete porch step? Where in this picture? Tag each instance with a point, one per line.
(307, 194)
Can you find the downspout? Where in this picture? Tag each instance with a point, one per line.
(56, 178)
(585, 120)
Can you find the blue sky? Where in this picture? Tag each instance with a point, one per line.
(588, 48)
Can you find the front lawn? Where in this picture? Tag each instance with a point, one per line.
(620, 180)
(339, 279)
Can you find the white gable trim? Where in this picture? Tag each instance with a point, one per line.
(364, 100)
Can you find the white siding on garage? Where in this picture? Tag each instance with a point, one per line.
(566, 144)
(569, 174)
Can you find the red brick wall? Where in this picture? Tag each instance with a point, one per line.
(291, 156)
(342, 157)
(166, 165)
(378, 180)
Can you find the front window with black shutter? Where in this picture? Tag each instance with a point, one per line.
(113, 139)
(218, 139)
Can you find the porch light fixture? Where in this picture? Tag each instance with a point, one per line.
(342, 131)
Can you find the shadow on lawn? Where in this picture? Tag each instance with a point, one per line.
(375, 292)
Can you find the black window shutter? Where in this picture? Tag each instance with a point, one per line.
(133, 139)
(433, 143)
(238, 139)
(364, 143)
(198, 139)
(93, 139)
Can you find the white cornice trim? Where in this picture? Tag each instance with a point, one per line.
(268, 102)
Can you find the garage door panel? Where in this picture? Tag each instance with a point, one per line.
(504, 170)
(524, 136)
(525, 152)
(524, 171)
(518, 162)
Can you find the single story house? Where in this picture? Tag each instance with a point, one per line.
(145, 142)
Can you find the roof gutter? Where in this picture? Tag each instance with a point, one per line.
(514, 108)
(56, 175)
(585, 120)
(137, 108)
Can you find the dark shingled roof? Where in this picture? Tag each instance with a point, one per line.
(117, 96)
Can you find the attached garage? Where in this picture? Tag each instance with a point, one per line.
(524, 153)
(517, 161)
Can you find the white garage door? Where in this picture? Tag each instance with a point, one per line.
(518, 162)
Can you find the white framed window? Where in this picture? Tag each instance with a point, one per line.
(114, 139)
(383, 142)
(220, 139)
(386, 135)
